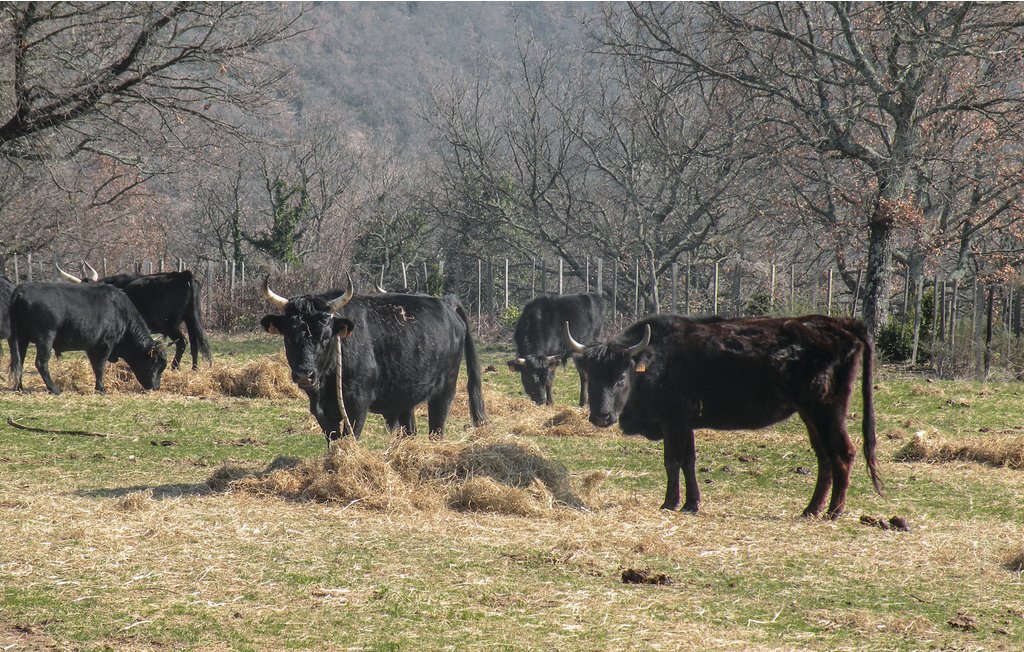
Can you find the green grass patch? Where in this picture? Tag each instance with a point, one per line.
(117, 542)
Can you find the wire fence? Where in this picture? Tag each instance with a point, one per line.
(953, 327)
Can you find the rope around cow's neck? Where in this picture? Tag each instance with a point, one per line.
(345, 424)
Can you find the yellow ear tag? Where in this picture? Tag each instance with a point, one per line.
(641, 367)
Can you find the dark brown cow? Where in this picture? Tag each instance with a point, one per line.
(666, 375)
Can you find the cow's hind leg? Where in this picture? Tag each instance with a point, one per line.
(834, 460)
(401, 422)
(824, 481)
(179, 349)
(438, 407)
(43, 350)
(842, 454)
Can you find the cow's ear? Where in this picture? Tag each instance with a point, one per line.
(514, 365)
(271, 324)
(342, 327)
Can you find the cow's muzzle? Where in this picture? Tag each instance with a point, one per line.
(602, 419)
(306, 381)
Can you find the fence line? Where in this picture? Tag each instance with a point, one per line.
(929, 313)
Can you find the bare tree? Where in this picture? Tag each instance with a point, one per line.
(850, 81)
(124, 88)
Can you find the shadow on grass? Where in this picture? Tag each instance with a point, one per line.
(158, 492)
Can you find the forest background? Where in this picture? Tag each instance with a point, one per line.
(877, 146)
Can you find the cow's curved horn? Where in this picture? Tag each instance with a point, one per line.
(272, 297)
(637, 349)
(570, 343)
(90, 272)
(380, 289)
(339, 303)
(67, 277)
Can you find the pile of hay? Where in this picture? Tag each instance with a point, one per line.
(267, 377)
(1008, 452)
(488, 474)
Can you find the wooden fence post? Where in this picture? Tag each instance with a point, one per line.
(829, 300)
(636, 292)
(686, 288)
(600, 279)
(675, 288)
(559, 276)
(771, 291)
(28, 257)
(506, 284)
(615, 289)
(714, 300)
(479, 292)
(917, 319)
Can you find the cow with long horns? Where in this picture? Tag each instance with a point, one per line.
(166, 300)
(538, 338)
(667, 375)
(398, 351)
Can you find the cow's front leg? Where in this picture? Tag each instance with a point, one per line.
(672, 473)
(688, 459)
(98, 360)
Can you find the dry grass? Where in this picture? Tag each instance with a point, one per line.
(492, 474)
(1004, 451)
(265, 377)
(1014, 560)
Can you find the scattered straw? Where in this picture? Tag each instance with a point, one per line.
(493, 474)
(1008, 452)
(1013, 561)
(136, 501)
(266, 377)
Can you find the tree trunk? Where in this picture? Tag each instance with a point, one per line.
(878, 281)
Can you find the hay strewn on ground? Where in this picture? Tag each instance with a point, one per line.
(491, 474)
(266, 377)
(1008, 452)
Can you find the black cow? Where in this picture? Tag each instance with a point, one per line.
(538, 337)
(6, 288)
(399, 351)
(97, 319)
(666, 375)
(164, 300)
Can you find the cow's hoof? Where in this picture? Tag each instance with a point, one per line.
(671, 507)
(691, 509)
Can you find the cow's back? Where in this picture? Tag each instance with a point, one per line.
(403, 349)
(736, 373)
(539, 328)
(77, 315)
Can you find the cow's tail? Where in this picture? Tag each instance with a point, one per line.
(474, 386)
(196, 334)
(868, 423)
(16, 369)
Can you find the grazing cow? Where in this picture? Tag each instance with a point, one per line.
(399, 351)
(164, 300)
(97, 319)
(539, 346)
(666, 375)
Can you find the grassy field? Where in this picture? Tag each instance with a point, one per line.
(128, 542)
